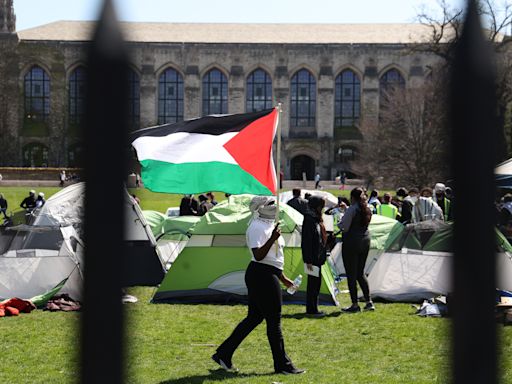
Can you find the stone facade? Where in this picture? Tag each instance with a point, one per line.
(315, 149)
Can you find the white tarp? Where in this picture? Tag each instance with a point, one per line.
(411, 275)
(416, 275)
(504, 168)
(330, 199)
(504, 270)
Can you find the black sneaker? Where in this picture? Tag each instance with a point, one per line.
(369, 306)
(291, 371)
(226, 365)
(352, 309)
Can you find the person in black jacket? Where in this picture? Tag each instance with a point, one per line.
(297, 202)
(189, 206)
(3, 206)
(314, 253)
(356, 245)
(29, 202)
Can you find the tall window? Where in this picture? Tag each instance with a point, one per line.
(77, 82)
(347, 100)
(170, 97)
(37, 95)
(259, 91)
(35, 155)
(390, 81)
(215, 93)
(303, 99)
(134, 99)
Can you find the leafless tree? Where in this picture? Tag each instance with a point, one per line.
(408, 147)
(445, 25)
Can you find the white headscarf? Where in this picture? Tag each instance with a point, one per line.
(265, 206)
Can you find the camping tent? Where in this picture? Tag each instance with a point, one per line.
(503, 174)
(383, 231)
(172, 234)
(142, 266)
(212, 266)
(417, 264)
(35, 259)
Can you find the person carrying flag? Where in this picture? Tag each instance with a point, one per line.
(262, 278)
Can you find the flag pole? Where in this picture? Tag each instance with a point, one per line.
(278, 157)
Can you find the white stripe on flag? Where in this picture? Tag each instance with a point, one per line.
(183, 147)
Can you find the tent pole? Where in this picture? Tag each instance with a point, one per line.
(278, 157)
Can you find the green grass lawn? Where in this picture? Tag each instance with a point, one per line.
(173, 343)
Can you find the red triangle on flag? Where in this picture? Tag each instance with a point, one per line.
(252, 150)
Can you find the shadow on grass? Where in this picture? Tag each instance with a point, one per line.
(215, 375)
(304, 315)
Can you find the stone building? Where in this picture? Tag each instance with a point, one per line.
(328, 77)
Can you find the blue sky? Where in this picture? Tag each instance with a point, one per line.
(31, 13)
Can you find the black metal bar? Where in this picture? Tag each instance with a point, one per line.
(105, 171)
(473, 119)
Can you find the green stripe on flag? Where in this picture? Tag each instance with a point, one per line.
(160, 176)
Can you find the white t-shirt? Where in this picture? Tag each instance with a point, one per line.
(257, 234)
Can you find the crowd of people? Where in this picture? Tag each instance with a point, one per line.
(30, 203)
(413, 205)
(190, 206)
(351, 218)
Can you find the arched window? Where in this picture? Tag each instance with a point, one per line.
(77, 82)
(76, 156)
(215, 93)
(170, 97)
(134, 99)
(35, 155)
(37, 95)
(345, 154)
(303, 99)
(390, 81)
(259, 91)
(347, 100)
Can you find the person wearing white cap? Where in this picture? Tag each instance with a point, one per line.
(40, 200)
(262, 278)
(443, 202)
(29, 202)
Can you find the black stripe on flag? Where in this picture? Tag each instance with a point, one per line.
(208, 125)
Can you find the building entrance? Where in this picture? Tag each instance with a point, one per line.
(302, 163)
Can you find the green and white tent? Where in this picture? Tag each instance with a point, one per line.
(417, 264)
(211, 267)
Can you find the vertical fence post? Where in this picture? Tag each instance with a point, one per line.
(105, 172)
(473, 120)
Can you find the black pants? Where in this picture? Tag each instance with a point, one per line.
(312, 292)
(355, 252)
(265, 299)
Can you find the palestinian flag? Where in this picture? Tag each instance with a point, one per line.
(228, 153)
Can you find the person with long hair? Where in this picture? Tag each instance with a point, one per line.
(314, 253)
(356, 245)
(262, 278)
